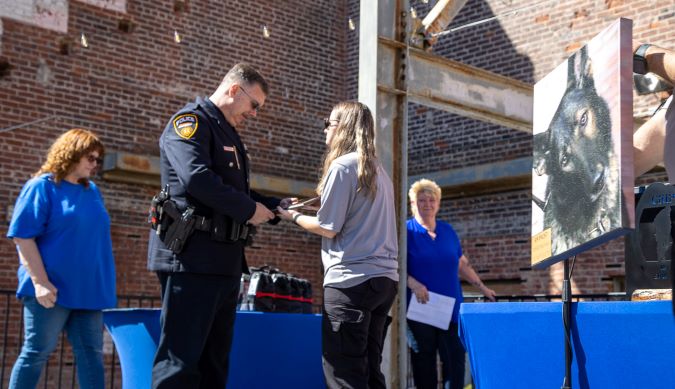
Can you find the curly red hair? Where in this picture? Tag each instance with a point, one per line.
(67, 151)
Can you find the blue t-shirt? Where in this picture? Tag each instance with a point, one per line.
(435, 262)
(71, 228)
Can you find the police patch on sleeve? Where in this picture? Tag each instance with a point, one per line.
(185, 125)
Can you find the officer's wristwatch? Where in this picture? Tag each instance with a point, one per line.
(639, 60)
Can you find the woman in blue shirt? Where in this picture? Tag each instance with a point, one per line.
(435, 262)
(67, 273)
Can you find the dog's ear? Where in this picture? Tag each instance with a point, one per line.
(581, 69)
(541, 152)
(571, 71)
(540, 164)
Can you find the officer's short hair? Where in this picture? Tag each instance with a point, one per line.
(243, 72)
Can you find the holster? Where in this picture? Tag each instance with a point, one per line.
(179, 231)
(174, 227)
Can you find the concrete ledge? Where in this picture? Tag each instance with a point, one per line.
(491, 177)
(144, 170)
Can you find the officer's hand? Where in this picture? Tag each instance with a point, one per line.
(261, 215)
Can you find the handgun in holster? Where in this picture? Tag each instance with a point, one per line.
(171, 225)
(180, 230)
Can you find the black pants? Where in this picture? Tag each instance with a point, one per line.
(353, 329)
(197, 322)
(426, 341)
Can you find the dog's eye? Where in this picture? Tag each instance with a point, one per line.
(584, 119)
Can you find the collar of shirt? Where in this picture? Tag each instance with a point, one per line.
(215, 113)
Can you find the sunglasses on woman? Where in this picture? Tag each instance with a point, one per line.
(91, 158)
(326, 122)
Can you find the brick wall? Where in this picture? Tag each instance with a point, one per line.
(126, 85)
(495, 229)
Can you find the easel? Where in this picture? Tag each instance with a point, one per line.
(567, 320)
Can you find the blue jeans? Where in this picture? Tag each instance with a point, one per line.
(42, 327)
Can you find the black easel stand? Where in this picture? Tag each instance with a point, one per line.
(567, 321)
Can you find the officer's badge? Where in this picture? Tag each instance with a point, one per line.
(185, 125)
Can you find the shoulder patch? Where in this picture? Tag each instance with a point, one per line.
(185, 125)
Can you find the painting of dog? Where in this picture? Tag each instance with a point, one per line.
(578, 197)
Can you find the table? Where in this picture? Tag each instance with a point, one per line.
(269, 349)
(615, 344)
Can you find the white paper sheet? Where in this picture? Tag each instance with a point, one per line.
(436, 312)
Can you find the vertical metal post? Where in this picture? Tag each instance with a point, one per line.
(379, 65)
(567, 323)
(402, 119)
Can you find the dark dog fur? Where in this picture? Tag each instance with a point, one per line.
(576, 154)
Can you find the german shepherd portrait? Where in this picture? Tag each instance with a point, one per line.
(577, 156)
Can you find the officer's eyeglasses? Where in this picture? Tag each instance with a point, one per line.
(255, 105)
(91, 158)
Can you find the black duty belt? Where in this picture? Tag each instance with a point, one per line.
(203, 223)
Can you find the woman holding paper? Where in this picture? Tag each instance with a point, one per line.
(435, 263)
(359, 249)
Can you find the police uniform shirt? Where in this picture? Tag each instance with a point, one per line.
(205, 163)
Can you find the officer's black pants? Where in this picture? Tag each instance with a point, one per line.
(426, 341)
(353, 330)
(197, 322)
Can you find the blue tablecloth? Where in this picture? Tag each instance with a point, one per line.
(270, 350)
(616, 344)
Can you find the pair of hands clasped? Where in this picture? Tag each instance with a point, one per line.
(289, 215)
(262, 214)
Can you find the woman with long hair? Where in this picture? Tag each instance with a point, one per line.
(66, 274)
(359, 249)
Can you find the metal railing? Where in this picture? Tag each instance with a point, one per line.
(614, 296)
(59, 372)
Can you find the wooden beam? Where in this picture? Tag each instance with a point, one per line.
(438, 19)
(464, 90)
(144, 170)
(131, 168)
(282, 186)
(481, 179)
(441, 15)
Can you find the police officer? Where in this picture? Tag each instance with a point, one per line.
(205, 164)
